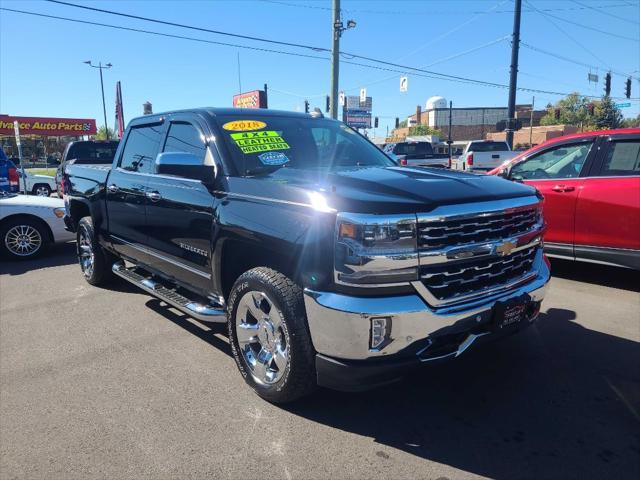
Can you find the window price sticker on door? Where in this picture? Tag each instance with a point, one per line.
(264, 141)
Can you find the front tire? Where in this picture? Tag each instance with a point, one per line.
(95, 261)
(269, 336)
(23, 238)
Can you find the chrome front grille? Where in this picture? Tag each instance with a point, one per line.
(450, 280)
(438, 233)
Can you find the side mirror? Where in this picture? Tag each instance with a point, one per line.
(184, 165)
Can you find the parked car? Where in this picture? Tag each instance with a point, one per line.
(484, 155)
(591, 185)
(330, 264)
(416, 154)
(85, 152)
(36, 184)
(8, 174)
(28, 224)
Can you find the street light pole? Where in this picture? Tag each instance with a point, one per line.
(104, 106)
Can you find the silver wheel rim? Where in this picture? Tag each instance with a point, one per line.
(85, 253)
(42, 192)
(262, 337)
(23, 240)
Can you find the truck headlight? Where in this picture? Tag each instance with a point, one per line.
(376, 249)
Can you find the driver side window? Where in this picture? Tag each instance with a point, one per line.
(564, 161)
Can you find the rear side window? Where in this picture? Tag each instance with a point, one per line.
(488, 147)
(622, 159)
(141, 149)
(184, 137)
(564, 161)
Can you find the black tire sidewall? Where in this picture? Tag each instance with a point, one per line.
(100, 272)
(38, 225)
(44, 185)
(257, 280)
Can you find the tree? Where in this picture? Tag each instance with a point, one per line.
(425, 130)
(403, 124)
(102, 134)
(631, 122)
(573, 111)
(607, 115)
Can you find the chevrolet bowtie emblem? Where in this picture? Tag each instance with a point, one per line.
(505, 248)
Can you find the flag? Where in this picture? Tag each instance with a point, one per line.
(119, 112)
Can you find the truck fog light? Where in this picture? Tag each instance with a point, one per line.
(380, 330)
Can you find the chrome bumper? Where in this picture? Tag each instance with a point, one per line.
(340, 324)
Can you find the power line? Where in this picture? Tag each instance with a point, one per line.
(434, 12)
(604, 12)
(570, 60)
(398, 68)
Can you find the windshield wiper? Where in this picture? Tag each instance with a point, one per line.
(263, 169)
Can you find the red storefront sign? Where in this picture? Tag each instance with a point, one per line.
(48, 126)
(253, 99)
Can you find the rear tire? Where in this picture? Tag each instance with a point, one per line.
(41, 190)
(95, 261)
(269, 336)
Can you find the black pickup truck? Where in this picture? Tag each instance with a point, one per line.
(330, 264)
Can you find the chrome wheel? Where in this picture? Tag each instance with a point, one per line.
(262, 337)
(42, 191)
(86, 255)
(23, 240)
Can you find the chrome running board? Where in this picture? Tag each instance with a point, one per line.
(205, 313)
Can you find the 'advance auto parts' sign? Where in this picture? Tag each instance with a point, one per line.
(253, 99)
(48, 126)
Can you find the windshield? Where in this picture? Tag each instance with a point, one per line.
(488, 147)
(417, 148)
(263, 143)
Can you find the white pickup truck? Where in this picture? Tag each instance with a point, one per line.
(485, 155)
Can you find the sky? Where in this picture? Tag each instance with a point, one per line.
(42, 71)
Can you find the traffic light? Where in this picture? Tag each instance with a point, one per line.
(607, 84)
(627, 90)
(397, 122)
(556, 114)
(306, 106)
(328, 102)
(590, 108)
(375, 122)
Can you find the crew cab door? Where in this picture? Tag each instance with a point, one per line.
(126, 190)
(608, 208)
(180, 210)
(557, 172)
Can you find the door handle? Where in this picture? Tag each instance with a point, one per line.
(113, 188)
(563, 188)
(154, 196)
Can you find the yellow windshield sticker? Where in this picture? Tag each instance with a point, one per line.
(244, 125)
(255, 142)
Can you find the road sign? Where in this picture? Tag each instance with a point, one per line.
(404, 83)
(16, 129)
(363, 95)
(341, 96)
(357, 114)
(623, 105)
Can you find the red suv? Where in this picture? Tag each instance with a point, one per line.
(591, 185)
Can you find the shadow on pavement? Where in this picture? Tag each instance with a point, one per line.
(55, 255)
(556, 401)
(604, 275)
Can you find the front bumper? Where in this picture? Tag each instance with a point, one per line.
(340, 330)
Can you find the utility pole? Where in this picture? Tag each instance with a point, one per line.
(337, 29)
(104, 107)
(449, 139)
(513, 80)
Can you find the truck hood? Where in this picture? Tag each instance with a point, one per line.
(386, 190)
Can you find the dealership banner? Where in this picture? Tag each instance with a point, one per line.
(253, 99)
(48, 126)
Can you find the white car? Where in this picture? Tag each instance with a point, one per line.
(485, 155)
(41, 185)
(28, 224)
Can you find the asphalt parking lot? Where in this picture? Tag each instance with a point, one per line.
(101, 383)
